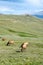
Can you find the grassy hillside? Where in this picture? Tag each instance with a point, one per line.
(21, 28)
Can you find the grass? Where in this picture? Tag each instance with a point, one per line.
(21, 29)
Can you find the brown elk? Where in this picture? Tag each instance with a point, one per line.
(10, 42)
(3, 39)
(24, 46)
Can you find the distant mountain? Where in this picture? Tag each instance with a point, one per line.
(39, 14)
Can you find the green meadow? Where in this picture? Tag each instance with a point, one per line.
(21, 28)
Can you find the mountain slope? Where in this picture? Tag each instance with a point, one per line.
(22, 26)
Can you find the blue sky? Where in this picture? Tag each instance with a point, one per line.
(20, 6)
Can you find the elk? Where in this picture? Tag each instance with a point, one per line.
(10, 42)
(24, 46)
(3, 39)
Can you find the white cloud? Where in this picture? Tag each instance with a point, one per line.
(6, 10)
(3, 8)
(27, 6)
(34, 2)
(34, 5)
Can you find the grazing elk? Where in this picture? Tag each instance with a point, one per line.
(10, 42)
(24, 46)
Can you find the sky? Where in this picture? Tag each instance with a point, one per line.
(20, 6)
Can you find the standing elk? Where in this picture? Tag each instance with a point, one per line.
(24, 46)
